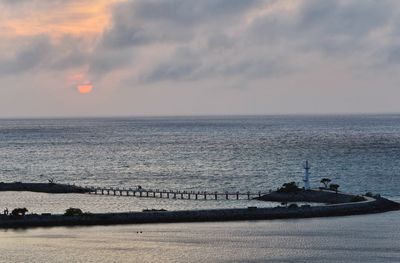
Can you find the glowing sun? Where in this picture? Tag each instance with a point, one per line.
(84, 89)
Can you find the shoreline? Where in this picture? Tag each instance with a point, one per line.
(371, 206)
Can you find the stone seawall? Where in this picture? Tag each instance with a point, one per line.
(367, 207)
(52, 188)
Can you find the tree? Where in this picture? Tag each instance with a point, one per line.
(325, 182)
(334, 187)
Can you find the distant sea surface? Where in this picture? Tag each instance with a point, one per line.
(245, 153)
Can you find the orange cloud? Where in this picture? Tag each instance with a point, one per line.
(68, 17)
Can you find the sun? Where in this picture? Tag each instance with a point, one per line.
(84, 89)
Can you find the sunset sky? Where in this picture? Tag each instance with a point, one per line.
(61, 58)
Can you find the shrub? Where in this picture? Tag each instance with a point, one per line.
(334, 187)
(73, 212)
(369, 194)
(19, 211)
(357, 198)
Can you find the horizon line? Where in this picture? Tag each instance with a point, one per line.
(122, 116)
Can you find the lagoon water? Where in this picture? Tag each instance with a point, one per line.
(359, 152)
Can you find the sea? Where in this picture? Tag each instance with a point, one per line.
(361, 153)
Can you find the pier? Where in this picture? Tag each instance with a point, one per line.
(173, 194)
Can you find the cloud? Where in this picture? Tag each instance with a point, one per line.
(27, 57)
(181, 40)
(248, 39)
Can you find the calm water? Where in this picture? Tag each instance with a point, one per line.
(343, 239)
(361, 153)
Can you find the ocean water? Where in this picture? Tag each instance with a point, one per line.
(248, 153)
(371, 238)
(359, 152)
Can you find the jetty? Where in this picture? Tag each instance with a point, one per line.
(372, 205)
(52, 188)
(174, 194)
(56, 188)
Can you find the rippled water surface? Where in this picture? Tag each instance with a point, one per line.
(227, 153)
(345, 239)
(360, 153)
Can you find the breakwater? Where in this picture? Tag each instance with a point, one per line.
(52, 188)
(252, 213)
(132, 192)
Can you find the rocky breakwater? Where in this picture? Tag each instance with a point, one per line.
(370, 205)
(52, 188)
(312, 196)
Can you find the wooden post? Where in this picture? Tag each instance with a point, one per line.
(259, 194)
(237, 195)
(147, 193)
(196, 196)
(216, 195)
(248, 195)
(174, 195)
(227, 195)
(205, 195)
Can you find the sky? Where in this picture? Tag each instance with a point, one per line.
(80, 58)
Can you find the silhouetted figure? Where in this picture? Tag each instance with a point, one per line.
(139, 187)
(6, 211)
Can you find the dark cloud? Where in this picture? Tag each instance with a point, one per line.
(191, 40)
(38, 53)
(68, 53)
(29, 56)
(188, 13)
(143, 22)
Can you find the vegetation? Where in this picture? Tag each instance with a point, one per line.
(51, 181)
(19, 211)
(73, 212)
(289, 188)
(334, 187)
(358, 198)
(325, 182)
(369, 194)
(293, 206)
